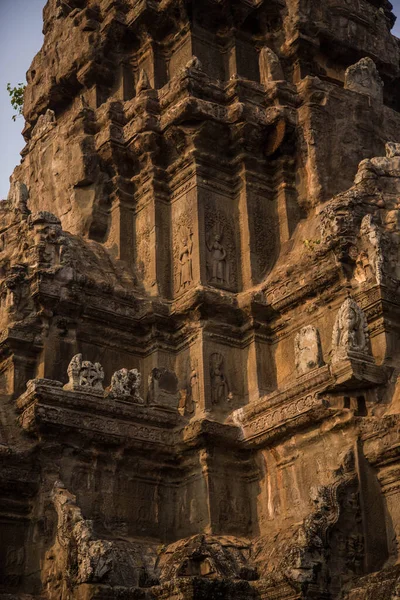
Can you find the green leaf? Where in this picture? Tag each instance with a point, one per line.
(16, 98)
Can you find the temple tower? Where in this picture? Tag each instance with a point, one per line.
(199, 306)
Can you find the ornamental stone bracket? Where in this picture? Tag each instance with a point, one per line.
(353, 366)
(356, 373)
(288, 410)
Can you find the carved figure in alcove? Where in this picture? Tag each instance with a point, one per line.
(363, 271)
(219, 269)
(221, 247)
(185, 260)
(219, 384)
(350, 333)
(194, 393)
(189, 397)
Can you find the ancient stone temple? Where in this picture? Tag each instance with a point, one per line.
(200, 305)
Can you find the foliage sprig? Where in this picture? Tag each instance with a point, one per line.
(17, 98)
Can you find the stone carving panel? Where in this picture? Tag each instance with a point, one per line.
(125, 385)
(363, 78)
(47, 230)
(369, 261)
(350, 332)
(190, 396)
(85, 376)
(220, 392)
(221, 249)
(183, 249)
(143, 244)
(185, 260)
(308, 352)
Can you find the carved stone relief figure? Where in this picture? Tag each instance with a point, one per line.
(363, 271)
(85, 376)
(371, 259)
(363, 77)
(219, 268)
(392, 248)
(193, 390)
(47, 231)
(194, 387)
(220, 242)
(308, 353)
(125, 384)
(219, 384)
(182, 239)
(185, 260)
(270, 66)
(350, 333)
(143, 244)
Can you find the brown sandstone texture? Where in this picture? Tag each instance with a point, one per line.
(200, 305)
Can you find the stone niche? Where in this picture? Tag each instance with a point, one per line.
(221, 243)
(145, 244)
(231, 504)
(187, 505)
(190, 368)
(210, 54)
(185, 240)
(181, 55)
(224, 380)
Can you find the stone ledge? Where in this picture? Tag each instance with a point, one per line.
(356, 374)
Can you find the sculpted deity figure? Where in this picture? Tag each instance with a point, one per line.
(219, 383)
(350, 333)
(219, 269)
(185, 260)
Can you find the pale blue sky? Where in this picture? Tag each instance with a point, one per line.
(20, 39)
